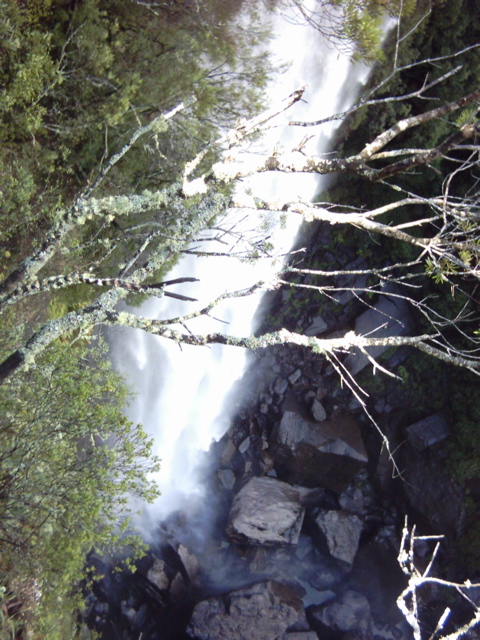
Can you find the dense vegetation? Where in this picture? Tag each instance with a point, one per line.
(79, 77)
(461, 20)
(70, 460)
(425, 386)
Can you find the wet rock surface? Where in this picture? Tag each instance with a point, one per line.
(390, 316)
(349, 612)
(264, 610)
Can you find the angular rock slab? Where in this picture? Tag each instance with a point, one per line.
(342, 532)
(157, 574)
(318, 325)
(428, 432)
(264, 611)
(266, 511)
(190, 562)
(389, 317)
(340, 435)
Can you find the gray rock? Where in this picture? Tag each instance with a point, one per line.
(389, 317)
(157, 574)
(310, 467)
(275, 563)
(266, 511)
(101, 608)
(322, 572)
(318, 411)
(227, 478)
(351, 612)
(304, 546)
(190, 562)
(265, 610)
(244, 445)
(340, 436)
(314, 596)
(295, 376)
(294, 429)
(228, 451)
(352, 500)
(127, 611)
(428, 432)
(318, 325)
(359, 497)
(342, 531)
(351, 282)
(280, 386)
(178, 588)
(301, 635)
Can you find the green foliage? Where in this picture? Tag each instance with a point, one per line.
(464, 456)
(440, 272)
(77, 78)
(8, 625)
(414, 392)
(464, 394)
(69, 462)
(362, 24)
(71, 299)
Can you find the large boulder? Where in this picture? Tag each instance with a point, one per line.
(340, 435)
(342, 532)
(158, 575)
(428, 432)
(264, 611)
(328, 453)
(266, 511)
(303, 564)
(317, 326)
(348, 284)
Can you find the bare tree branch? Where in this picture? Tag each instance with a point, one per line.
(407, 602)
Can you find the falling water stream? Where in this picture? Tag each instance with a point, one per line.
(181, 392)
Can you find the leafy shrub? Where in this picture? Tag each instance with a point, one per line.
(69, 462)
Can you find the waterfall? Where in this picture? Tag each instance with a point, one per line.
(180, 392)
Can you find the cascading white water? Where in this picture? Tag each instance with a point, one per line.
(181, 392)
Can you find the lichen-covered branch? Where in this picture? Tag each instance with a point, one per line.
(86, 208)
(61, 282)
(298, 162)
(104, 314)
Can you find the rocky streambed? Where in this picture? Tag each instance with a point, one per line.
(299, 537)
